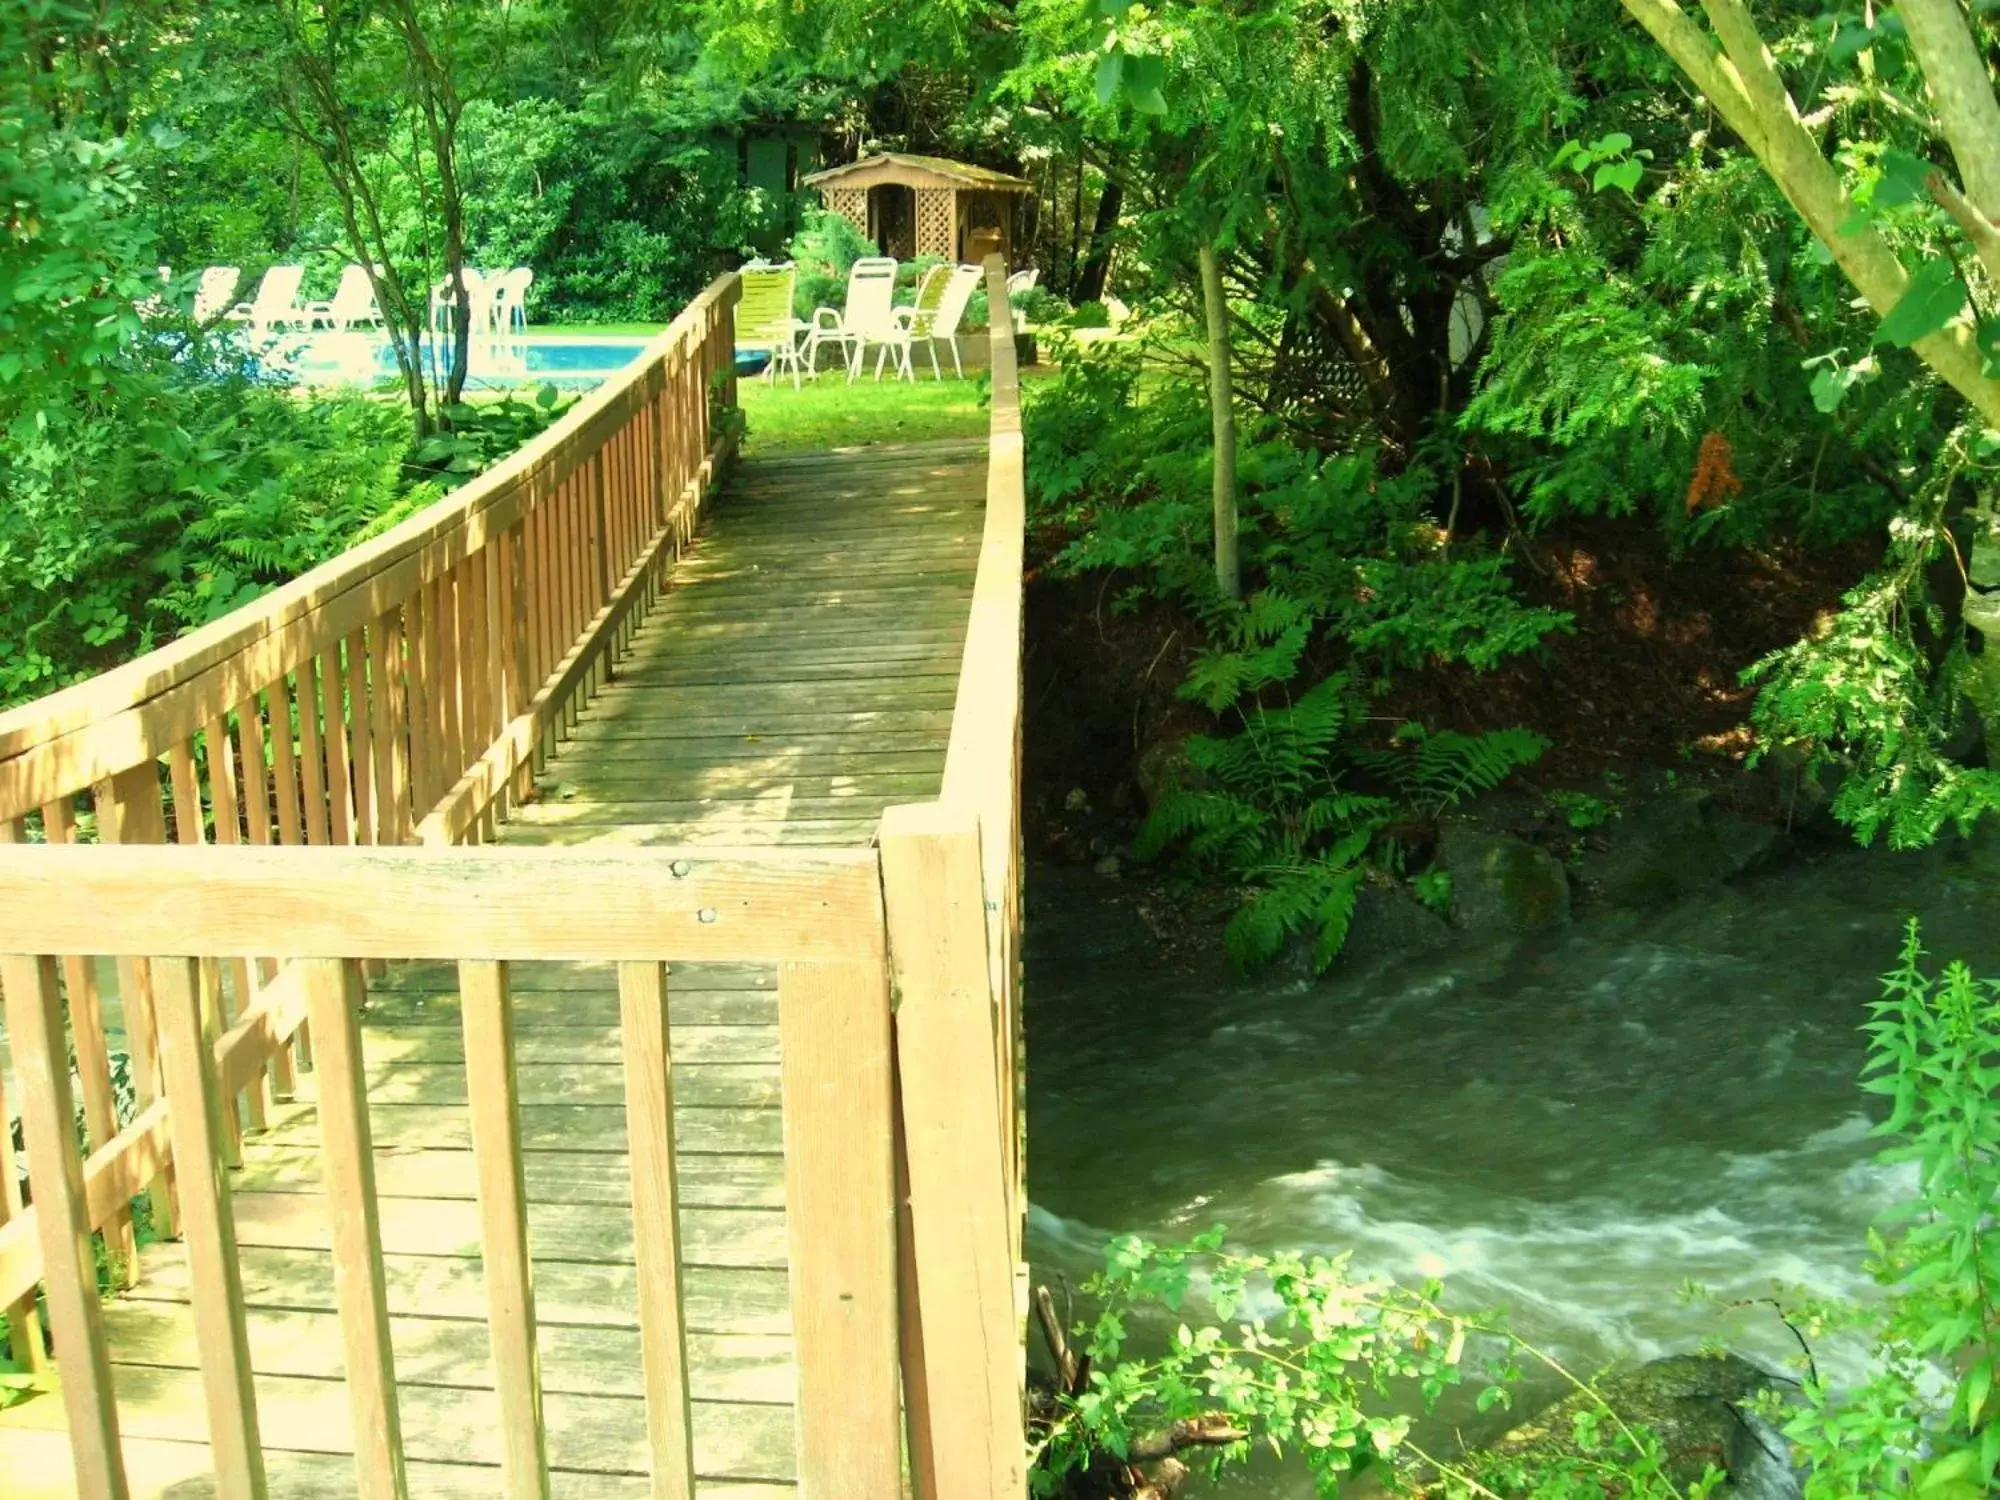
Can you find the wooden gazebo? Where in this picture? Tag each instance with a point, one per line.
(924, 205)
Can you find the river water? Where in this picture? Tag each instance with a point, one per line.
(1571, 1125)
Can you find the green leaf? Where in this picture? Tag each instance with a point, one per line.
(1614, 144)
(1903, 179)
(547, 396)
(1110, 68)
(1952, 1469)
(1934, 298)
(1144, 77)
(1618, 174)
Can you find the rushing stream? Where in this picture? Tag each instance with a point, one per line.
(1572, 1125)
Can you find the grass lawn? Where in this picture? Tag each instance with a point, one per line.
(830, 413)
(585, 332)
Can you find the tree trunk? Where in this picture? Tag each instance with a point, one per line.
(1097, 266)
(1222, 415)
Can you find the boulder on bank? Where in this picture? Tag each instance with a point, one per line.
(1501, 884)
(1693, 1404)
(1389, 923)
(1679, 843)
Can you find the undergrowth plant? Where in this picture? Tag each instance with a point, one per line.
(1311, 1357)
(1351, 582)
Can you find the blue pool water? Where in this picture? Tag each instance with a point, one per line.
(364, 358)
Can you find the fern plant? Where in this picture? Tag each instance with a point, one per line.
(1266, 807)
(1435, 771)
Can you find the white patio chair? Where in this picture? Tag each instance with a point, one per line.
(1021, 281)
(939, 309)
(353, 302)
(444, 301)
(764, 318)
(871, 296)
(276, 304)
(212, 294)
(510, 299)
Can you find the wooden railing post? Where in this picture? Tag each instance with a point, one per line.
(833, 1046)
(956, 1160)
(62, 1221)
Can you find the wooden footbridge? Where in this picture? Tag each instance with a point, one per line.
(566, 955)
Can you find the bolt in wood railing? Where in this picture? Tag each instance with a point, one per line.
(952, 888)
(401, 692)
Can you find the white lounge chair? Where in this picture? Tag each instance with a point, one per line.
(353, 302)
(276, 304)
(1021, 281)
(212, 294)
(764, 317)
(869, 314)
(940, 307)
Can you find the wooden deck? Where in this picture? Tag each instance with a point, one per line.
(796, 680)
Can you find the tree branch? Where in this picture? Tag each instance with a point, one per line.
(1962, 94)
(1748, 89)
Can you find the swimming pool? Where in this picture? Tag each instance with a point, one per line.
(325, 359)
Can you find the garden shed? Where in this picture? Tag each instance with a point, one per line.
(924, 205)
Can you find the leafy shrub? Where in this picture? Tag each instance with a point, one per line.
(824, 250)
(1349, 584)
(1864, 695)
(1092, 314)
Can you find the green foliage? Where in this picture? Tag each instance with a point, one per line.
(1349, 584)
(824, 250)
(1433, 772)
(1874, 695)
(1267, 809)
(1922, 1423)
(1309, 1356)
(1581, 811)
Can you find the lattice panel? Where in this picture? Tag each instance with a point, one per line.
(937, 222)
(851, 204)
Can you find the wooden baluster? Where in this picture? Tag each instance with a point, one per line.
(600, 547)
(189, 829)
(335, 990)
(216, 1282)
(840, 1208)
(416, 698)
(291, 831)
(450, 684)
(285, 764)
(62, 1224)
(128, 812)
(93, 1050)
(361, 722)
(256, 782)
(391, 730)
(649, 1126)
(255, 1103)
(333, 711)
(24, 1318)
(312, 755)
(486, 1013)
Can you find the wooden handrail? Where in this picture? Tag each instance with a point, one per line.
(951, 887)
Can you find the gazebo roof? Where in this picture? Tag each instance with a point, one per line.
(907, 170)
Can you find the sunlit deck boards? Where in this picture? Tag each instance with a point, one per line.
(796, 680)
